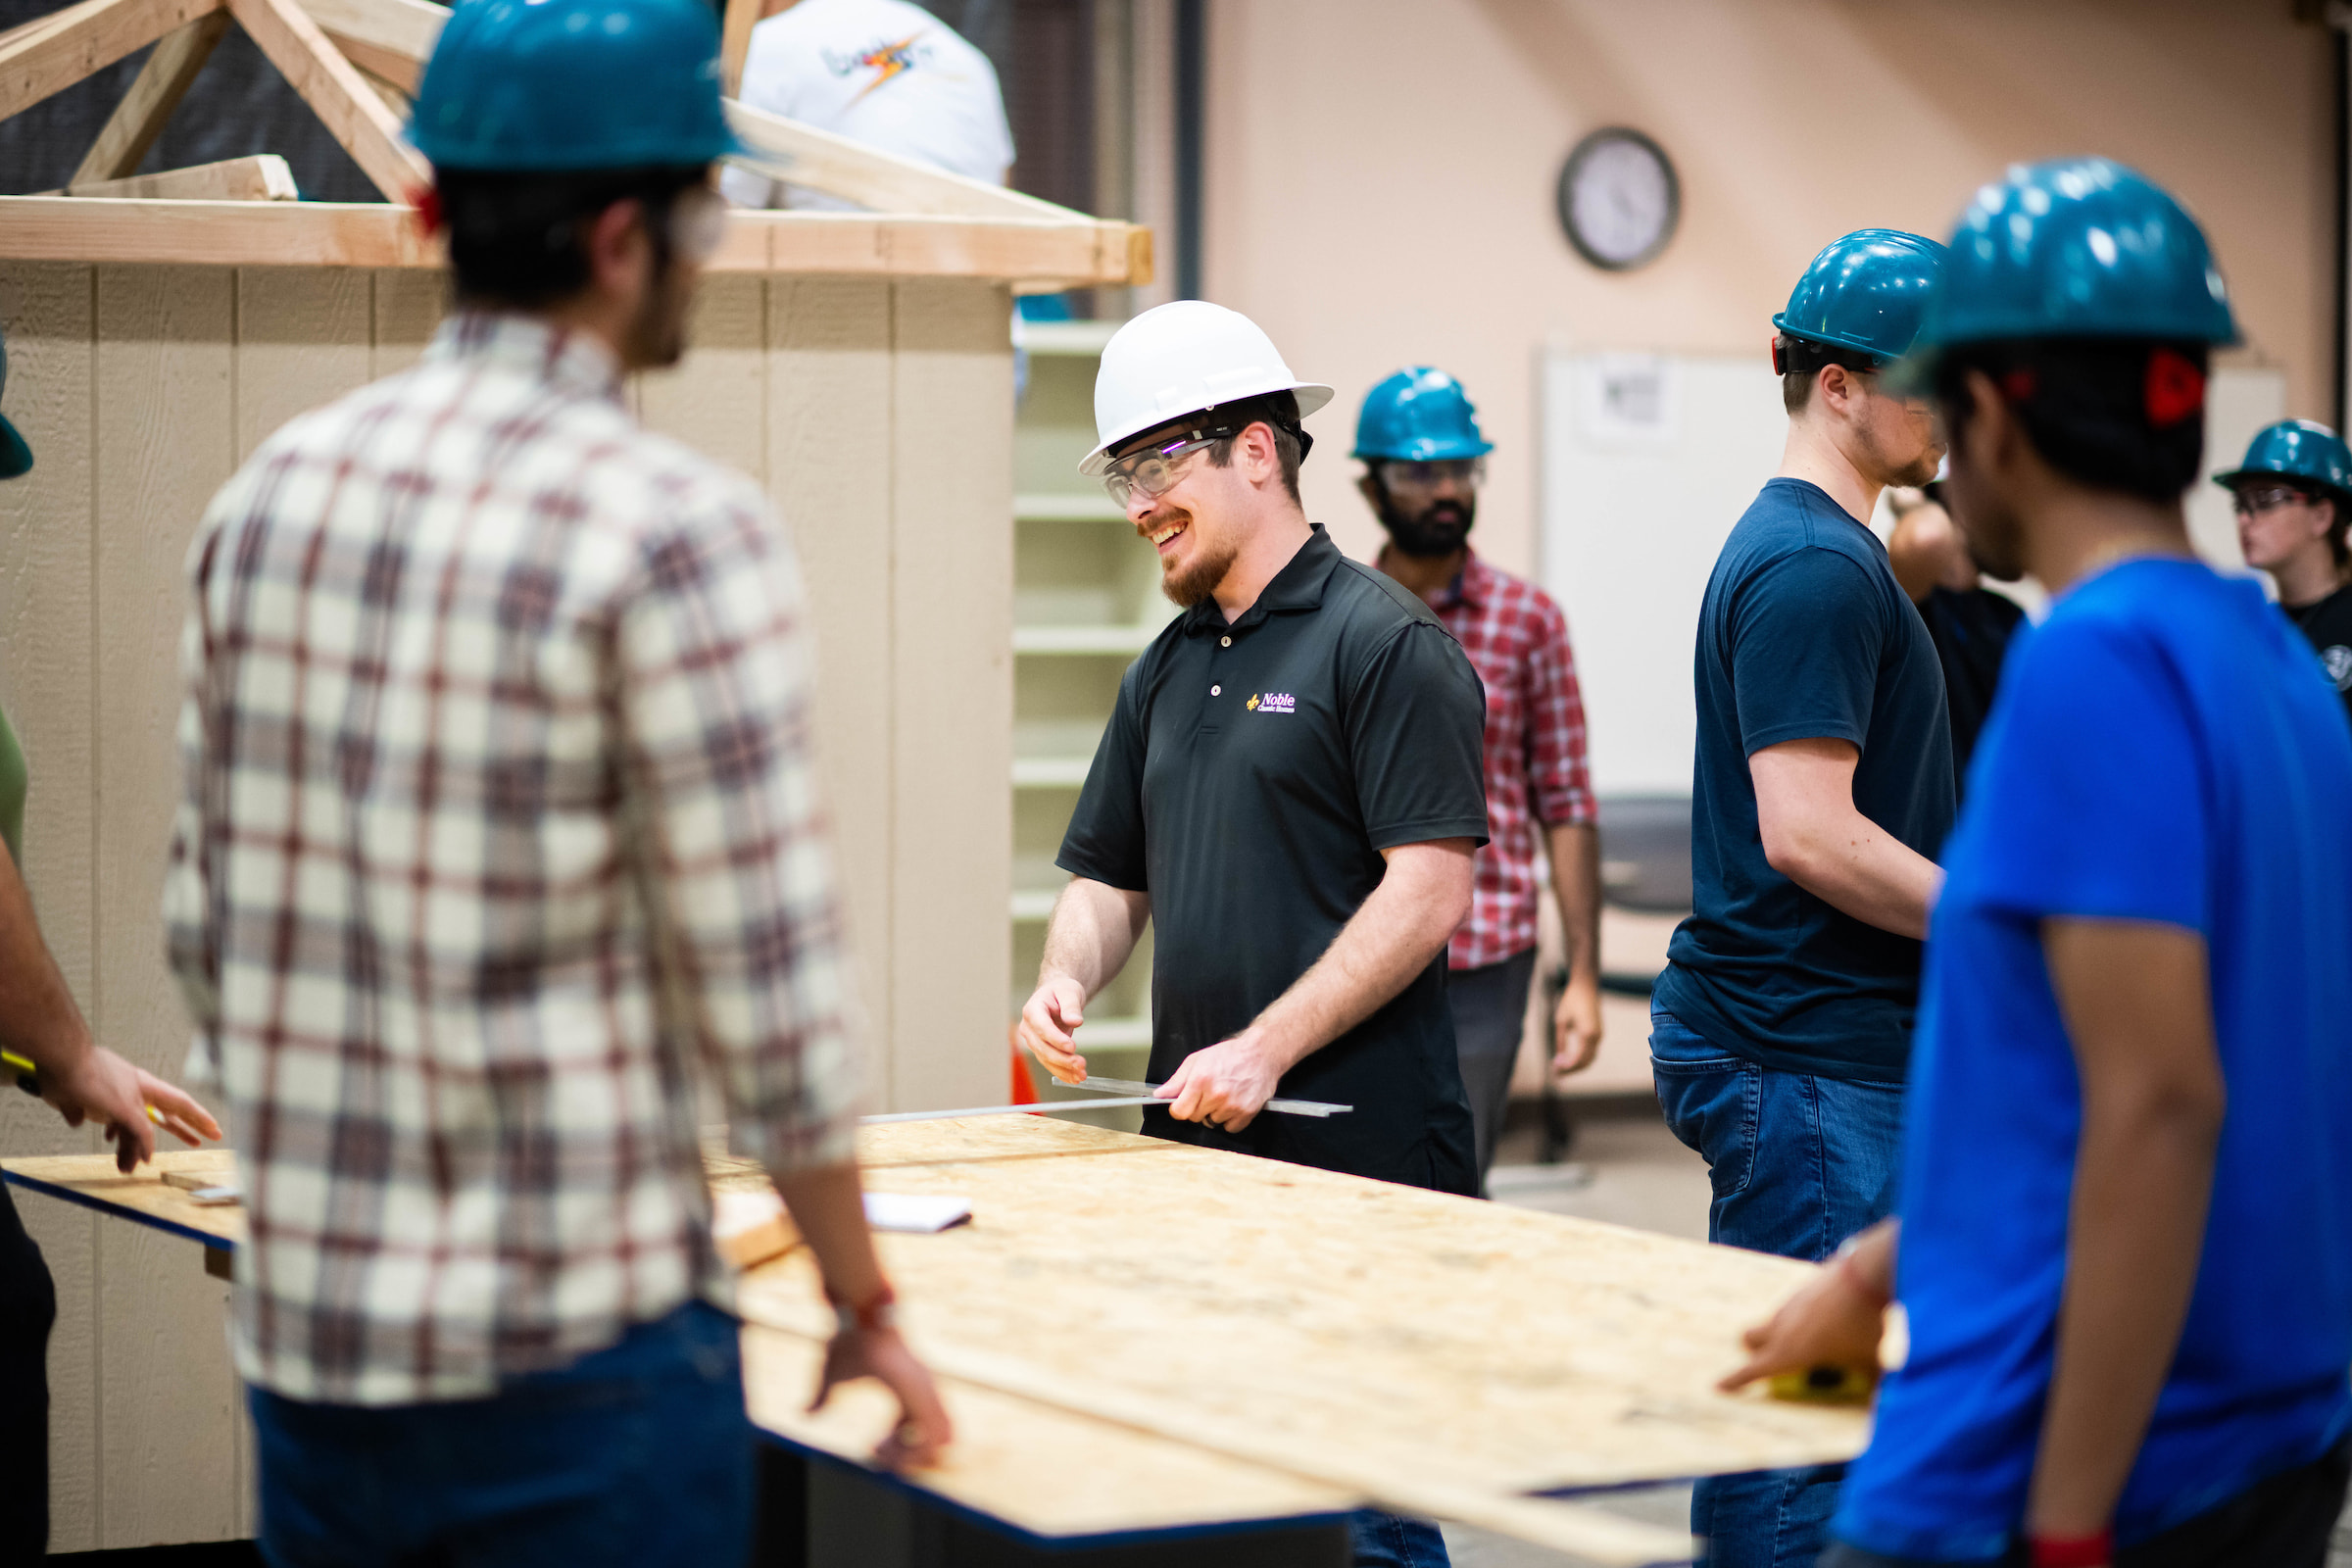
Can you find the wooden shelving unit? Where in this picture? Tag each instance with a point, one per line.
(1086, 602)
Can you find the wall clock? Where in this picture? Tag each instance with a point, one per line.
(1619, 199)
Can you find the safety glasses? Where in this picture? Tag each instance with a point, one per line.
(1156, 469)
(1464, 473)
(2257, 498)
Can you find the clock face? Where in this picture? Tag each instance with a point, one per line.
(1619, 200)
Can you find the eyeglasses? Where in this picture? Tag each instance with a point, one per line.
(1155, 470)
(698, 223)
(1466, 474)
(2262, 497)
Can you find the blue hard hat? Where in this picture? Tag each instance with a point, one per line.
(563, 85)
(1418, 415)
(2079, 247)
(16, 458)
(2297, 449)
(1868, 290)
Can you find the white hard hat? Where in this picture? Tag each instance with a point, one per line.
(1179, 358)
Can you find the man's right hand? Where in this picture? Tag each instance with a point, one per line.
(102, 1087)
(1049, 1021)
(924, 1429)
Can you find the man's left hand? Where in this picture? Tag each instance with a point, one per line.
(1576, 1026)
(1228, 1084)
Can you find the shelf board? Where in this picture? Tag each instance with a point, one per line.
(1049, 772)
(1071, 506)
(1084, 641)
(1068, 337)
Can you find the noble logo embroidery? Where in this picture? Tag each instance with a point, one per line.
(1252, 704)
(1276, 703)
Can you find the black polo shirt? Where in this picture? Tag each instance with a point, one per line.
(1251, 775)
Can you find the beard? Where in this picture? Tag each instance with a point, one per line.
(1435, 534)
(1187, 584)
(655, 337)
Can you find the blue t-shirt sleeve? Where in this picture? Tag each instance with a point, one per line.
(1806, 637)
(2097, 804)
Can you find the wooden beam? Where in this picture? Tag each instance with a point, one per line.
(83, 38)
(60, 229)
(735, 43)
(387, 66)
(261, 178)
(406, 29)
(787, 150)
(147, 107)
(336, 91)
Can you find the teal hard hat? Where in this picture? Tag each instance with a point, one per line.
(16, 458)
(2297, 449)
(1418, 415)
(1866, 291)
(569, 86)
(2079, 247)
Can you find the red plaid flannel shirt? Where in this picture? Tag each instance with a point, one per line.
(1517, 641)
(500, 833)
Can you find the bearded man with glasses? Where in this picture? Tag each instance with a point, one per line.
(1424, 459)
(2294, 505)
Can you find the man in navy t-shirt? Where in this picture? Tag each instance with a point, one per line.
(2126, 1244)
(1781, 1030)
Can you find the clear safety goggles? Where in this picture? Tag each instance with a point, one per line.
(1156, 469)
(2257, 498)
(1463, 474)
(698, 223)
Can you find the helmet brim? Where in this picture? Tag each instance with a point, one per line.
(1311, 395)
(16, 458)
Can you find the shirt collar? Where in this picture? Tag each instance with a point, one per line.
(1298, 585)
(560, 356)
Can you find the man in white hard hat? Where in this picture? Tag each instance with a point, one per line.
(1289, 788)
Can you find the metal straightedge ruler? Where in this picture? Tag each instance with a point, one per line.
(1120, 1092)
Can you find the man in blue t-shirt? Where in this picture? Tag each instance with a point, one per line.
(1781, 1030)
(2127, 1198)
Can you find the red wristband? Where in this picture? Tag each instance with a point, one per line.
(877, 1311)
(2070, 1551)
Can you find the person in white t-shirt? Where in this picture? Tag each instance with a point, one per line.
(880, 72)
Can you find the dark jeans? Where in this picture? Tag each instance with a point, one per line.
(637, 1456)
(1489, 1015)
(1390, 1540)
(27, 1311)
(2284, 1522)
(1798, 1163)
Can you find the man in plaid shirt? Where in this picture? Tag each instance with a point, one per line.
(499, 834)
(1418, 438)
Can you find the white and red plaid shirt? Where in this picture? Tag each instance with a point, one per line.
(499, 832)
(1517, 641)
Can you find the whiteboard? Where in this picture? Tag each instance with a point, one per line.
(1649, 460)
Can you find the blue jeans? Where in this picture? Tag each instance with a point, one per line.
(1798, 1163)
(637, 1456)
(1391, 1540)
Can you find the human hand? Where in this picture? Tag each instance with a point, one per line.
(1576, 1026)
(1049, 1026)
(102, 1087)
(1226, 1085)
(924, 1429)
(1834, 1321)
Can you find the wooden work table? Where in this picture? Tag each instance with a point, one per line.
(1140, 1339)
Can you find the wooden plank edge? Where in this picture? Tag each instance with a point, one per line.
(79, 1199)
(146, 229)
(1584, 1531)
(255, 177)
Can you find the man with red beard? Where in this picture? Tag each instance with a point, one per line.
(1289, 789)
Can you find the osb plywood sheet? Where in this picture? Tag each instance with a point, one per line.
(143, 1194)
(1048, 1471)
(1255, 1307)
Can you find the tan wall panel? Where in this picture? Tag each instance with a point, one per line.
(828, 466)
(305, 337)
(46, 687)
(951, 692)
(166, 424)
(717, 400)
(409, 306)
